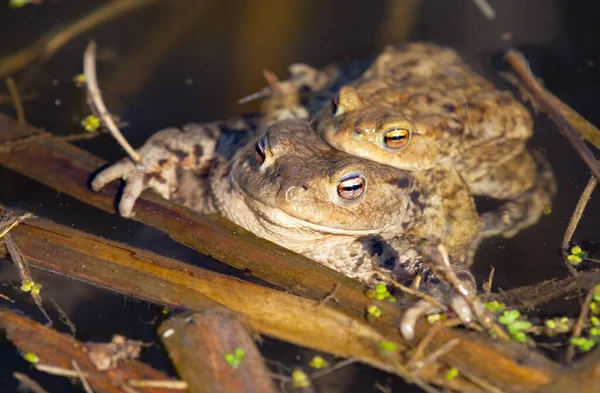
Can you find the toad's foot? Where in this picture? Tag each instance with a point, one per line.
(283, 101)
(452, 285)
(525, 209)
(162, 155)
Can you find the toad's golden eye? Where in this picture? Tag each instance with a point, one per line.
(260, 150)
(396, 138)
(351, 187)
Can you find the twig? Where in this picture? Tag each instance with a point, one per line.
(548, 104)
(485, 8)
(28, 383)
(54, 370)
(149, 383)
(578, 327)
(128, 389)
(433, 356)
(381, 274)
(44, 48)
(16, 100)
(17, 257)
(333, 368)
(487, 286)
(8, 222)
(422, 345)
(330, 295)
(64, 318)
(3, 296)
(405, 373)
(84, 382)
(91, 81)
(574, 221)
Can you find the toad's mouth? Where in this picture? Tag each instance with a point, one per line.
(284, 219)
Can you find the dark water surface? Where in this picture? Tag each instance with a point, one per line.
(216, 58)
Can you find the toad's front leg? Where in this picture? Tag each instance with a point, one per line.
(447, 281)
(164, 153)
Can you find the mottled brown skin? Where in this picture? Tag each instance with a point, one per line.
(291, 195)
(454, 119)
(451, 112)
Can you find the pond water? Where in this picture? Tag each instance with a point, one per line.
(187, 61)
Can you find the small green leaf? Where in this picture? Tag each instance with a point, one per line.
(35, 290)
(318, 362)
(300, 379)
(79, 79)
(18, 3)
(594, 320)
(380, 288)
(374, 311)
(519, 325)
(583, 344)
(91, 123)
(451, 374)
(574, 259)
(31, 357)
(495, 306)
(509, 316)
(550, 324)
(388, 346)
(520, 337)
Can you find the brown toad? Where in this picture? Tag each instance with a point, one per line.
(290, 187)
(420, 107)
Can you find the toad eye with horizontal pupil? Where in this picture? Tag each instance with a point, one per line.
(396, 138)
(260, 150)
(351, 187)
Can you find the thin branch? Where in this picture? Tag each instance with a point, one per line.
(91, 81)
(581, 204)
(333, 368)
(45, 47)
(578, 327)
(54, 370)
(84, 382)
(28, 383)
(64, 318)
(422, 345)
(548, 103)
(166, 384)
(487, 286)
(435, 355)
(329, 296)
(16, 100)
(485, 8)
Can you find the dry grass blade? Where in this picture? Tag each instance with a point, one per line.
(548, 103)
(578, 327)
(28, 384)
(16, 100)
(84, 382)
(91, 81)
